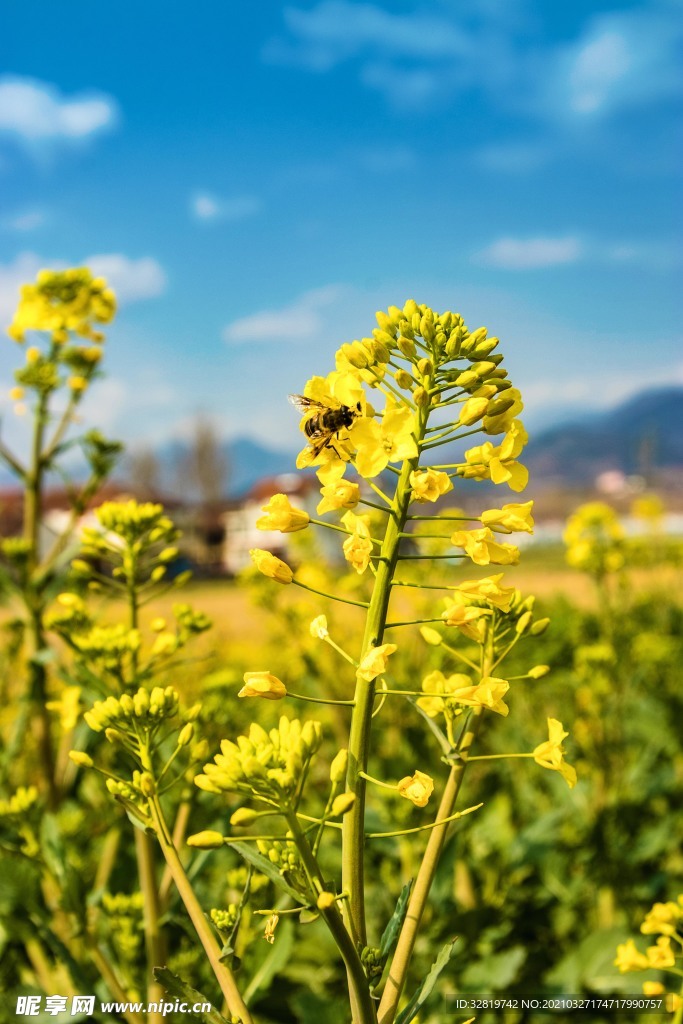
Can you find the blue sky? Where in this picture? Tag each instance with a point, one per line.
(257, 179)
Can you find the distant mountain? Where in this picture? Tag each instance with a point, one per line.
(641, 434)
(249, 461)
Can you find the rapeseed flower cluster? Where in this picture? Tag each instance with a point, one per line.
(266, 765)
(665, 920)
(61, 303)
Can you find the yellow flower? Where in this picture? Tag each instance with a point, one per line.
(67, 707)
(662, 954)
(488, 590)
(16, 394)
(480, 546)
(379, 444)
(551, 755)
(629, 958)
(498, 463)
(417, 788)
(272, 566)
(358, 547)
(653, 988)
(511, 518)
(436, 682)
(336, 492)
(374, 663)
(429, 484)
(464, 617)
(282, 516)
(663, 918)
(488, 693)
(262, 684)
(318, 627)
(78, 383)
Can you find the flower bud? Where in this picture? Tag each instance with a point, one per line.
(80, 758)
(243, 817)
(339, 765)
(523, 623)
(343, 803)
(403, 379)
(325, 900)
(407, 347)
(426, 367)
(538, 671)
(80, 566)
(385, 338)
(185, 735)
(147, 784)
(539, 627)
(421, 397)
(431, 636)
(207, 840)
(411, 308)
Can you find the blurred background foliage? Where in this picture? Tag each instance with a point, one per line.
(538, 886)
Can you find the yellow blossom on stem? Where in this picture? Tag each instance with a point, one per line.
(336, 492)
(662, 918)
(374, 663)
(281, 515)
(488, 590)
(465, 617)
(318, 627)
(436, 682)
(429, 484)
(379, 444)
(272, 566)
(661, 955)
(417, 788)
(498, 463)
(512, 518)
(358, 547)
(630, 959)
(488, 693)
(263, 684)
(551, 755)
(77, 383)
(480, 546)
(68, 707)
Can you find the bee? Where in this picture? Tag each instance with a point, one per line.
(323, 424)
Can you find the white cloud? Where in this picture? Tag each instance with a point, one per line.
(207, 207)
(623, 59)
(419, 58)
(36, 111)
(300, 321)
(531, 253)
(336, 30)
(27, 220)
(131, 279)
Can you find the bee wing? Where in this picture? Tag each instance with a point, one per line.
(303, 404)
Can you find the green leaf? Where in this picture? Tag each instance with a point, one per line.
(390, 933)
(424, 991)
(175, 986)
(262, 864)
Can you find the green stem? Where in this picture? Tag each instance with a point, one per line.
(425, 876)
(353, 840)
(362, 1000)
(154, 942)
(35, 602)
(223, 974)
(332, 597)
